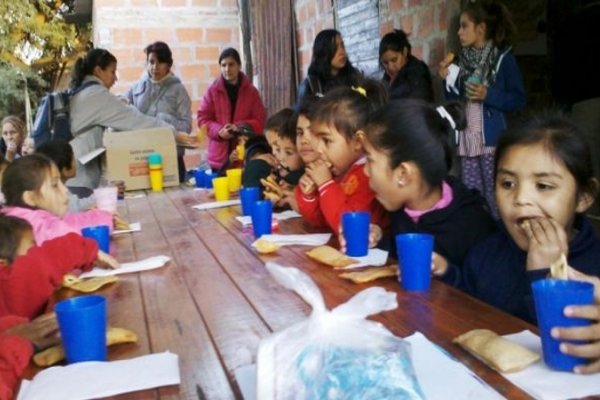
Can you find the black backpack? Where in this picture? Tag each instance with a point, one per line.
(52, 117)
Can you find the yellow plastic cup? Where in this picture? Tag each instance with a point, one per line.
(221, 187)
(156, 178)
(235, 179)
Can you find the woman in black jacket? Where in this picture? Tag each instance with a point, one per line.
(405, 75)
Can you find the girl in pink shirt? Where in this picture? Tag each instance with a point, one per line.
(34, 192)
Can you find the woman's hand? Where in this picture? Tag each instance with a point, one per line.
(227, 131)
(319, 172)
(476, 91)
(185, 139)
(375, 236)
(444, 64)
(547, 241)
(107, 261)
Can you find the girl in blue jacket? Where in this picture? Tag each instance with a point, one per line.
(487, 78)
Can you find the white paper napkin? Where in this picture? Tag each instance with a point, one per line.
(126, 268)
(308, 239)
(246, 220)
(443, 377)
(545, 383)
(94, 379)
(453, 71)
(375, 258)
(216, 204)
(133, 227)
(134, 195)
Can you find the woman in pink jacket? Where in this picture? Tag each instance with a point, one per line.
(229, 105)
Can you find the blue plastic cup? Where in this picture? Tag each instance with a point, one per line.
(249, 196)
(551, 296)
(356, 233)
(208, 179)
(414, 255)
(262, 216)
(199, 177)
(82, 325)
(101, 234)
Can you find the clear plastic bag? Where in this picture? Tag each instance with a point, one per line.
(336, 354)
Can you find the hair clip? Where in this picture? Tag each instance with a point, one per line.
(360, 90)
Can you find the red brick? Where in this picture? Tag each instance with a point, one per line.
(229, 3)
(182, 55)
(189, 35)
(437, 52)
(407, 24)
(173, 3)
(108, 3)
(311, 11)
(442, 18)
(414, 3)
(214, 70)
(210, 54)
(130, 74)
(128, 36)
(385, 27)
(189, 72)
(218, 35)
(425, 23)
(417, 52)
(124, 56)
(166, 35)
(205, 3)
(395, 6)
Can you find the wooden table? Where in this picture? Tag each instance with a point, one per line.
(216, 301)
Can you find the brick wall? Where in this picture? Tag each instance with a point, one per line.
(195, 30)
(311, 18)
(428, 22)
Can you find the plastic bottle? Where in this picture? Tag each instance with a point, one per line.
(156, 171)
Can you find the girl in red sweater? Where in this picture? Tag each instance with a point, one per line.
(336, 183)
(29, 274)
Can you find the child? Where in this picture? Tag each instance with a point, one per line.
(18, 339)
(335, 183)
(34, 191)
(61, 153)
(306, 143)
(13, 135)
(261, 164)
(29, 274)
(408, 159)
(288, 157)
(544, 184)
(490, 82)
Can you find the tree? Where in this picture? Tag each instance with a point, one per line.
(36, 46)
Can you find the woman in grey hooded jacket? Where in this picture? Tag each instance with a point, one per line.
(161, 94)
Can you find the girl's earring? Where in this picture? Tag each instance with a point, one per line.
(401, 183)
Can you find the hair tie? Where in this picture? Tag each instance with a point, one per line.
(360, 90)
(446, 115)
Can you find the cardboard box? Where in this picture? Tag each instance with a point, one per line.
(127, 156)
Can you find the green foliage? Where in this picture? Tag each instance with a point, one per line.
(36, 44)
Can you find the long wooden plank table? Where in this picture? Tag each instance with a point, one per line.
(215, 301)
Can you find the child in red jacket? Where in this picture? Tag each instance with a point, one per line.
(18, 339)
(336, 183)
(29, 274)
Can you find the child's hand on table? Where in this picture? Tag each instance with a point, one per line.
(439, 264)
(375, 235)
(107, 261)
(42, 331)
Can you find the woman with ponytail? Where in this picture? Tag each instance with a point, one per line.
(94, 108)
